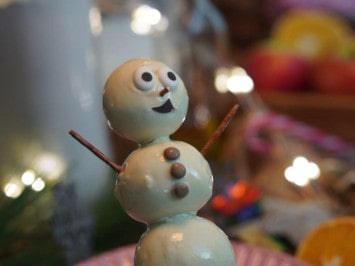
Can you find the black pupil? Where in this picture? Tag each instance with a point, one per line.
(171, 76)
(146, 76)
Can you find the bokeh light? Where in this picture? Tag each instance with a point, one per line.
(302, 171)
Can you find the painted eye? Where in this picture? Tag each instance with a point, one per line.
(168, 77)
(144, 78)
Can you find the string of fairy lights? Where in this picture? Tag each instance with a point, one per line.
(46, 168)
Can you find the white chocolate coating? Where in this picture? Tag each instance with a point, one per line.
(184, 240)
(129, 109)
(163, 183)
(145, 186)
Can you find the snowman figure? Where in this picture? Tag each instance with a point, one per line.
(163, 183)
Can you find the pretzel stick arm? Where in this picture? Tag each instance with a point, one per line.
(96, 151)
(222, 126)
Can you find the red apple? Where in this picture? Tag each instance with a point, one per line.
(277, 71)
(334, 76)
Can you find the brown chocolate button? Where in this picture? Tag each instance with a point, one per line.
(171, 153)
(178, 170)
(180, 190)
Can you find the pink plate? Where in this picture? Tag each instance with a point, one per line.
(247, 255)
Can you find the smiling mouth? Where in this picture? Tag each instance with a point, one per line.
(165, 108)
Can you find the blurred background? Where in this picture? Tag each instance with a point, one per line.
(284, 165)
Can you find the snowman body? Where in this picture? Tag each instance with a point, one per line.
(184, 240)
(163, 183)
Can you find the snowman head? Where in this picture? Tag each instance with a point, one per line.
(144, 100)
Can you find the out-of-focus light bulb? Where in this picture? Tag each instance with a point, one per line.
(28, 177)
(302, 171)
(239, 81)
(145, 19)
(296, 176)
(13, 188)
(235, 80)
(140, 28)
(313, 170)
(300, 162)
(50, 166)
(147, 14)
(38, 184)
(221, 80)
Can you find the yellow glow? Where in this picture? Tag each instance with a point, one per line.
(38, 184)
(50, 166)
(28, 177)
(13, 188)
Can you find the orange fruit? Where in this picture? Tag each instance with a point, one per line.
(311, 33)
(331, 243)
